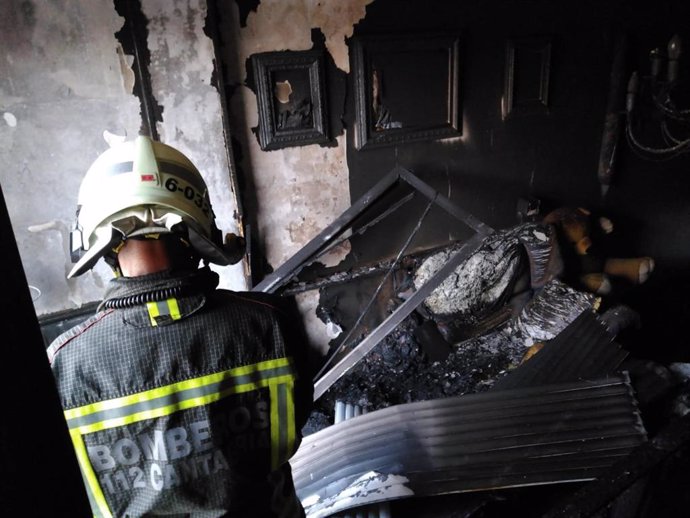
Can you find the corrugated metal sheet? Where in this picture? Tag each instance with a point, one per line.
(539, 435)
(584, 349)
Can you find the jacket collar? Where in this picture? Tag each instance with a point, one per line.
(123, 292)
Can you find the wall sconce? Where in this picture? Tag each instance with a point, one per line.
(652, 111)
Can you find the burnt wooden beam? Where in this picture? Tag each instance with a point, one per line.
(370, 270)
(133, 38)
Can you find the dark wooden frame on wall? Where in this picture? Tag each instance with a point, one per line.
(369, 132)
(518, 50)
(309, 70)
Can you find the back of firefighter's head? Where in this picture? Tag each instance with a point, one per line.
(143, 189)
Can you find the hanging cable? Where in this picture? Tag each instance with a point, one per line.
(659, 110)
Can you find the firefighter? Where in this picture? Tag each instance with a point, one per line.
(180, 398)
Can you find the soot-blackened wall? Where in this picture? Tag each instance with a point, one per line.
(551, 155)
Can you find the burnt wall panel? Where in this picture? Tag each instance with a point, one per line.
(551, 154)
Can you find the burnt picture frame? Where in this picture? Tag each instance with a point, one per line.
(407, 88)
(291, 98)
(527, 74)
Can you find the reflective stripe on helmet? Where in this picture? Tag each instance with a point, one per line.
(122, 167)
(170, 168)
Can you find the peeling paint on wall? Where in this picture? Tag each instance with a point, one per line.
(336, 19)
(284, 25)
(126, 71)
(10, 119)
(299, 190)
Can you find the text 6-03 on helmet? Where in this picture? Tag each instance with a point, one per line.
(143, 187)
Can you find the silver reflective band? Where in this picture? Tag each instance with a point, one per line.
(178, 397)
(164, 167)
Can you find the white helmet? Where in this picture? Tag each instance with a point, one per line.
(139, 188)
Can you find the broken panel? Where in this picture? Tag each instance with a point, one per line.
(584, 349)
(567, 432)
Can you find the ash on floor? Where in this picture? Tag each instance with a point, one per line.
(399, 371)
(405, 369)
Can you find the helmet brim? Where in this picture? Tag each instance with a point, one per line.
(107, 238)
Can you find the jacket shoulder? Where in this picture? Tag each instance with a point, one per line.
(65, 338)
(256, 302)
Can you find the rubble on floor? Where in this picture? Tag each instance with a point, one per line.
(492, 324)
(399, 370)
(502, 324)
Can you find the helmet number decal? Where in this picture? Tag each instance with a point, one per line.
(173, 185)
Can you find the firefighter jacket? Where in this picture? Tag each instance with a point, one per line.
(184, 400)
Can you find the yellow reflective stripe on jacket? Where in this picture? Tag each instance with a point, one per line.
(277, 375)
(178, 396)
(94, 491)
(282, 437)
(167, 307)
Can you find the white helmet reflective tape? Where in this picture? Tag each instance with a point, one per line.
(139, 187)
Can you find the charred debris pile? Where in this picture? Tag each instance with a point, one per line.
(499, 368)
(504, 380)
(492, 314)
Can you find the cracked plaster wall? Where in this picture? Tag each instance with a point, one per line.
(302, 189)
(63, 81)
(61, 85)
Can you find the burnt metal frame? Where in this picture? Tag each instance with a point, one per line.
(323, 240)
(365, 137)
(312, 62)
